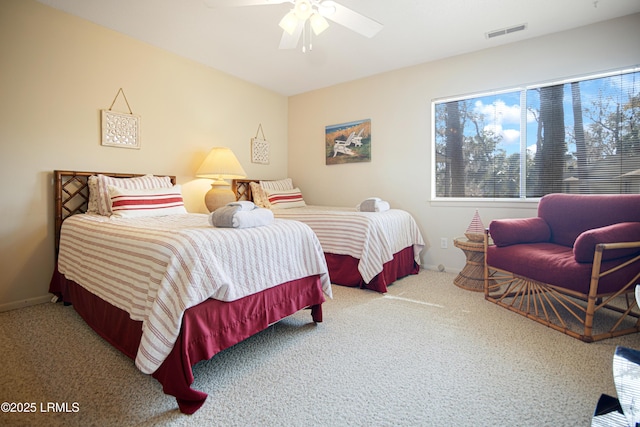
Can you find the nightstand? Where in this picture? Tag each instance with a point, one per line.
(471, 277)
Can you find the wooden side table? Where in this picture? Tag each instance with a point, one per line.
(471, 277)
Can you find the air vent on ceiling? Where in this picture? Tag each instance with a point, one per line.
(505, 31)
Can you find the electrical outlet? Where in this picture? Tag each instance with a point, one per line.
(444, 243)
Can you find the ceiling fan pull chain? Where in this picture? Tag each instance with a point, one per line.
(304, 38)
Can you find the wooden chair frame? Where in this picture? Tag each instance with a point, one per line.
(587, 317)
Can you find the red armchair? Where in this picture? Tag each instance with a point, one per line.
(573, 268)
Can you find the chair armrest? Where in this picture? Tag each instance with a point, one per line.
(505, 232)
(627, 234)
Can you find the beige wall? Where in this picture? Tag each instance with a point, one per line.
(398, 104)
(56, 73)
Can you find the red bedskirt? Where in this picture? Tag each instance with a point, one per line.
(343, 270)
(207, 328)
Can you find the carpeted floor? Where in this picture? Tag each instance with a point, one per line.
(425, 354)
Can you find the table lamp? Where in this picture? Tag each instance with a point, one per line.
(220, 164)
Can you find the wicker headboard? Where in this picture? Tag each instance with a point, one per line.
(242, 189)
(71, 191)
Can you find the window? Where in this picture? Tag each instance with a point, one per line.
(575, 136)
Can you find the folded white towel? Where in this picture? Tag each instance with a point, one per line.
(244, 205)
(234, 217)
(223, 216)
(373, 204)
(255, 218)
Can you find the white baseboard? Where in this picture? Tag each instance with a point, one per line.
(442, 268)
(25, 303)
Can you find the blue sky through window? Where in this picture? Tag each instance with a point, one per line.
(498, 127)
(502, 112)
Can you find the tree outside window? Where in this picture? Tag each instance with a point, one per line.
(575, 136)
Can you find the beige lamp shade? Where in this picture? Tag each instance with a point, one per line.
(220, 164)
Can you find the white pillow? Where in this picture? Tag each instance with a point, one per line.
(131, 203)
(285, 199)
(280, 184)
(142, 182)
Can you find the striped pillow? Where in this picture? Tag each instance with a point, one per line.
(284, 199)
(142, 182)
(280, 184)
(126, 203)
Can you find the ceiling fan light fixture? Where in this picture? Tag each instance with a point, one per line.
(318, 23)
(327, 8)
(303, 9)
(289, 22)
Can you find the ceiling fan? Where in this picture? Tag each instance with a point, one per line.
(313, 12)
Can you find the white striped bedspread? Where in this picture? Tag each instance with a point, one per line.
(371, 237)
(155, 268)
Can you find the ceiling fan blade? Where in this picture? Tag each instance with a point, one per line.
(290, 41)
(354, 21)
(235, 3)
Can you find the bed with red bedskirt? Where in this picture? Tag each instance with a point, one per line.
(204, 328)
(368, 250)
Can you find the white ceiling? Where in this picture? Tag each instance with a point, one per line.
(243, 41)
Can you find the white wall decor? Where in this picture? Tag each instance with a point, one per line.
(120, 129)
(260, 148)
